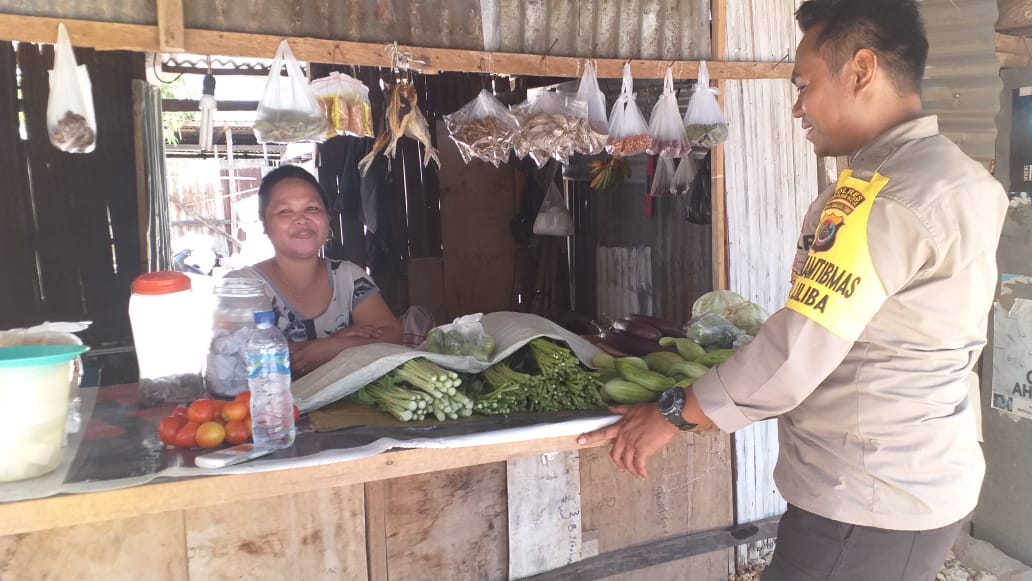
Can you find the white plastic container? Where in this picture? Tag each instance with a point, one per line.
(35, 382)
(167, 332)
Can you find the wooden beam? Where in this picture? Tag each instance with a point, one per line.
(662, 551)
(718, 203)
(1013, 51)
(113, 36)
(181, 494)
(170, 26)
(192, 105)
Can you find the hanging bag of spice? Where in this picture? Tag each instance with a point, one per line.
(666, 128)
(704, 122)
(288, 111)
(628, 131)
(71, 121)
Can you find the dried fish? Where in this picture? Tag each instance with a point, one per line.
(403, 119)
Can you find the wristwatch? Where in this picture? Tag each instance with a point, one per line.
(671, 403)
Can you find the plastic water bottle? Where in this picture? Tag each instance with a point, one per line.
(268, 378)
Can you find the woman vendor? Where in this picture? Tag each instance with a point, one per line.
(323, 306)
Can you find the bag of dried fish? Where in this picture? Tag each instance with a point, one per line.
(628, 132)
(554, 127)
(666, 128)
(483, 129)
(704, 123)
(288, 111)
(594, 98)
(71, 120)
(345, 104)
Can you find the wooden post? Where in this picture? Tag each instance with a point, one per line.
(718, 210)
(171, 37)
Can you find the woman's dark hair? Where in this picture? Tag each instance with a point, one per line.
(279, 174)
(892, 29)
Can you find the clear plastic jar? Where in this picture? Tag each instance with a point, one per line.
(236, 302)
(168, 336)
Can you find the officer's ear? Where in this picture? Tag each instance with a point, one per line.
(862, 69)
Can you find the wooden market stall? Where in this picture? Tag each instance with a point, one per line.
(491, 512)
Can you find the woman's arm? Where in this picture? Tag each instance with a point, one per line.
(372, 322)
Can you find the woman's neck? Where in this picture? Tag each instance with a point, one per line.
(298, 273)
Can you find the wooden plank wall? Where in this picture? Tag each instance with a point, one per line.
(771, 176)
(64, 217)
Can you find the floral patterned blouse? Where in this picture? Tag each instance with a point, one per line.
(351, 285)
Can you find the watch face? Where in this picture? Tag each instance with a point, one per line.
(667, 399)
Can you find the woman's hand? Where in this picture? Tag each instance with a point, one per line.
(361, 332)
(307, 355)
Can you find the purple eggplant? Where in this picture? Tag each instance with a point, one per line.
(638, 329)
(667, 327)
(632, 344)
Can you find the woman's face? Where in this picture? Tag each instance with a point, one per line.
(296, 220)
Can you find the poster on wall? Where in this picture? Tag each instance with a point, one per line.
(1012, 348)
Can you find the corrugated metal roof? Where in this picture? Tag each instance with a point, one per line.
(638, 29)
(962, 81)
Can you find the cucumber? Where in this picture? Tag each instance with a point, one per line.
(687, 348)
(623, 391)
(663, 361)
(692, 369)
(643, 377)
(602, 360)
(715, 357)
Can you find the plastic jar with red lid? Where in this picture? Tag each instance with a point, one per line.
(167, 323)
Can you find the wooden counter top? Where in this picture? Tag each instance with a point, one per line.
(156, 497)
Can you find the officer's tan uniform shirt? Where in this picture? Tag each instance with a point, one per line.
(871, 386)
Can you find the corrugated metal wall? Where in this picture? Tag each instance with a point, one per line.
(962, 82)
(771, 177)
(647, 29)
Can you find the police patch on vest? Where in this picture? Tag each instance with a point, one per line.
(837, 286)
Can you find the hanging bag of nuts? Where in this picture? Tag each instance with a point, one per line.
(628, 131)
(71, 121)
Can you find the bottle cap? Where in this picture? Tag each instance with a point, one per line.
(264, 318)
(161, 283)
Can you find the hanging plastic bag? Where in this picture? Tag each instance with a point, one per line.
(556, 127)
(704, 123)
(628, 131)
(71, 121)
(666, 127)
(698, 209)
(483, 129)
(288, 111)
(684, 176)
(553, 219)
(662, 177)
(595, 100)
(345, 104)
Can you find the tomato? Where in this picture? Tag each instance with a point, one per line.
(237, 432)
(235, 410)
(201, 411)
(186, 437)
(244, 396)
(210, 435)
(297, 414)
(168, 427)
(179, 412)
(218, 405)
